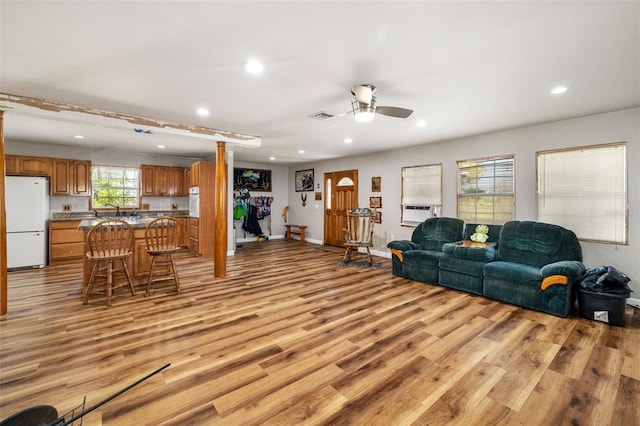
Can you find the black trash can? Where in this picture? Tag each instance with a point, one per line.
(603, 294)
(605, 307)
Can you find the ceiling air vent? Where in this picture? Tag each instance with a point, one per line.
(322, 116)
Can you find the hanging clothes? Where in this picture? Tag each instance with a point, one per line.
(251, 224)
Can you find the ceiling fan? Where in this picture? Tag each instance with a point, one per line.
(364, 105)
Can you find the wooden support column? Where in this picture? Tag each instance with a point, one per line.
(3, 226)
(220, 249)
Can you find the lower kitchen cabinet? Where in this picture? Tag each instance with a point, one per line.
(66, 241)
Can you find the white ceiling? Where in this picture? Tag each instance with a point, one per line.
(464, 67)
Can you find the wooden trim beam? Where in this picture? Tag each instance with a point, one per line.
(220, 209)
(58, 111)
(3, 226)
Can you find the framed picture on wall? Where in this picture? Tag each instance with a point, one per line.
(376, 184)
(375, 202)
(252, 179)
(377, 217)
(304, 180)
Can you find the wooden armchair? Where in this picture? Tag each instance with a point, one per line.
(358, 233)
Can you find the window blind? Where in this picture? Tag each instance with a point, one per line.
(585, 190)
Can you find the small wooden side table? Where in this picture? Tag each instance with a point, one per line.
(295, 230)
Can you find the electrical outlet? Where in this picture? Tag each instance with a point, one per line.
(174, 206)
(633, 302)
(66, 207)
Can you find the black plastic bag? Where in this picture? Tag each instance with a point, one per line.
(605, 279)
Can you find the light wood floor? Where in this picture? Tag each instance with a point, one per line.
(289, 338)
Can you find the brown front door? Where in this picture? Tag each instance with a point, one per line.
(341, 189)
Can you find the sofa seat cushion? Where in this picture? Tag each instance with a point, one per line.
(519, 284)
(461, 274)
(462, 266)
(516, 273)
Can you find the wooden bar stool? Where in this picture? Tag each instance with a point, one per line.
(109, 240)
(162, 237)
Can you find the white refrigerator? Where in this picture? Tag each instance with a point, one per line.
(27, 207)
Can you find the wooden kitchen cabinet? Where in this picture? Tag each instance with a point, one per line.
(176, 182)
(194, 174)
(194, 235)
(202, 230)
(66, 241)
(70, 177)
(10, 165)
(162, 181)
(147, 179)
(20, 165)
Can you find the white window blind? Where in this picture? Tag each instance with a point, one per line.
(486, 190)
(585, 190)
(421, 192)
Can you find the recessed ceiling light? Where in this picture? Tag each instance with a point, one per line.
(161, 146)
(272, 158)
(202, 112)
(559, 90)
(348, 140)
(301, 151)
(254, 67)
(78, 136)
(421, 123)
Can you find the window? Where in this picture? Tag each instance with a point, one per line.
(486, 190)
(584, 189)
(115, 186)
(421, 193)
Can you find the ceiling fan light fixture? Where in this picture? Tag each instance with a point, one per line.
(364, 112)
(364, 116)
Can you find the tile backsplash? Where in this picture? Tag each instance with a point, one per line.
(81, 204)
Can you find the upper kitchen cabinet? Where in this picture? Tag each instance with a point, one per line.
(20, 165)
(162, 181)
(70, 177)
(177, 182)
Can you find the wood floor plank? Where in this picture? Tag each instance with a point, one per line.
(289, 338)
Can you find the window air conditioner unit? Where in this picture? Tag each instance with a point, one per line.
(416, 214)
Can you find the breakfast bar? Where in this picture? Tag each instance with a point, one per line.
(139, 264)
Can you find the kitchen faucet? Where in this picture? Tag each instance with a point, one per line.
(116, 207)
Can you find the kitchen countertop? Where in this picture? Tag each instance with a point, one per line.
(142, 214)
(135, 222)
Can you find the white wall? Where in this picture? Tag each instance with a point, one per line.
(523, 143)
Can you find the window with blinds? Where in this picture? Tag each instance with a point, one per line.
(116, 186)
(421, 193)
(585, 189)
(486, 190)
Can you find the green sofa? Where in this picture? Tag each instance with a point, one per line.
(530, 264)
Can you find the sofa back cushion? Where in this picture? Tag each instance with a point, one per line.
(537, 244)
(494, 231)
(433, 233)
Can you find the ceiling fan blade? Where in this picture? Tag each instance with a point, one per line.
(394, 111)
(363, 93)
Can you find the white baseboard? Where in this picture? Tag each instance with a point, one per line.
(632, 301)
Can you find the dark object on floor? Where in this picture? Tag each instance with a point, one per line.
(603, 307)
(605, 279)
(45, 415)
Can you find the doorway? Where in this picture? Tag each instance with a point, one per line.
(341, 189)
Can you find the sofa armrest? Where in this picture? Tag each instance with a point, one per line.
(562, 272)
(403, 245)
